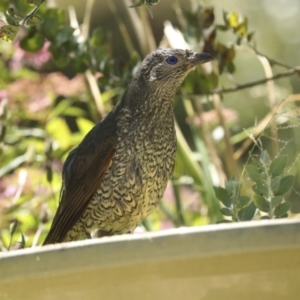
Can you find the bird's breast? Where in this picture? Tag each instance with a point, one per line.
(137, 178)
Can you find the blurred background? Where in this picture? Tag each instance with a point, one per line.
(58, 78)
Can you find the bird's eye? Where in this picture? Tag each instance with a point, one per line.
(171, 60)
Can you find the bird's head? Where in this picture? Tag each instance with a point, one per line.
(168, 67)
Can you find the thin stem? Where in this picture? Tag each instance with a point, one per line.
(209, 150)
(272, 101)
(134, 21)
(122, 27)
(168, 213)
(89, 76)
(176, 193)
(271, 60)
(147, 224)
(149, 42)
(258, 130)
(231, 164)
(31, 14)
(257, 82)
(95, 92)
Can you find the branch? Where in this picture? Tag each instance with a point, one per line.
(31, 14)
(271, 60)
(257, 82)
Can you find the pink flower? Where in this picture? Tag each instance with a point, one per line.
(35, 60)
(3, 95)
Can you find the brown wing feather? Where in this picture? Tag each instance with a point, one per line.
(83, 173)
(80, 186)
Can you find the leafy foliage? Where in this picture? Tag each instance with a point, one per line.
(270, 185)
(15, 18)
(145, 2)
(56, 83)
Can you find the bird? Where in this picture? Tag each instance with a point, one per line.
(118, 173)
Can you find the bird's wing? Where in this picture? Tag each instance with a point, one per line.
(83, 173)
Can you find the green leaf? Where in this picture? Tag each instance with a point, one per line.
(74, 112)
(138, 3)
(224, 221)
(264, 176)
(247, 213)
(242, 28)
(23, 243)
(232, 187)
(285, 185)
(85, 125)
(265, 218)
(8, 32)
(35, 2)
(12, 165)
(283, 216)
(13, 227)
(224, 14)
(282, 209)
(222, 27)
(11, 17)
(60, 58)
(250, 36)
(278, 165)
(54, 19)
(239, 40)
(261, 203)
(96, 39)
(59, 131)
(233, 178)
(49, 173)
(64, 35)
(32, 43)
(59, 109)
(253, 173)
(223, 196)
(213, 80)
(230, 67)
(260, 189)
(34, 20)
(226, 211)
(275, 183)
(81, 63)
(265, 158)
(208, 17)
(152, 2)
(243, 200)
(275, 201)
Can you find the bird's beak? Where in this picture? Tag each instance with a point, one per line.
(200, 58)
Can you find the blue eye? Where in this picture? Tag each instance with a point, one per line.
(172, 60)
